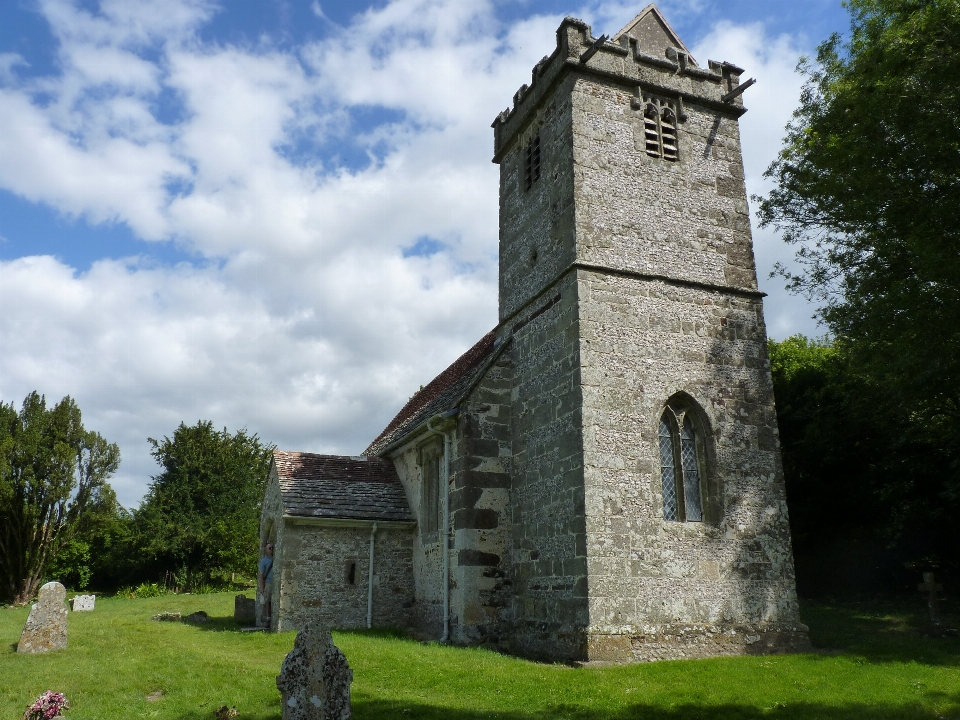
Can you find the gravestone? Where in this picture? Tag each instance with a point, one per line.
(244, 609)
(314, 680)
(83, 603)
(46, 627)
(932, 588)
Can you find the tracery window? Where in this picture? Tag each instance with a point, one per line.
(681, 466)
(660, 132)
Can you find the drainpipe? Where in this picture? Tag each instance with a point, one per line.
(373, 532)
(445, 480)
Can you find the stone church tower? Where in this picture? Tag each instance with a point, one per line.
(599, 477)
(643, 420)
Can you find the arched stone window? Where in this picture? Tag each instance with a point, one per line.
(660, 132)
(682, 465)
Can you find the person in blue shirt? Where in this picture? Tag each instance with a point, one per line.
(265, 582)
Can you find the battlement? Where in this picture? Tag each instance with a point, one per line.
(645, 55)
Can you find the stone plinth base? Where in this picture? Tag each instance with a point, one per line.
(696, 641)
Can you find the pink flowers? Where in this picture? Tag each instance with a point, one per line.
(47, 706)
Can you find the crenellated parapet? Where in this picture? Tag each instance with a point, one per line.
(651, 61)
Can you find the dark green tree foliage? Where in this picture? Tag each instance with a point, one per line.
(100, 554)
(53, 479)
(202, 512)
(868, 188)
(868, 511)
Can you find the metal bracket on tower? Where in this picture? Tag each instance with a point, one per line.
(592, 50)
(737, 90)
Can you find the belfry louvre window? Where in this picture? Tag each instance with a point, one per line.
(532, 165)
(681, 463)
(660, 132)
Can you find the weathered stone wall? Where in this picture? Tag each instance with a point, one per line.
(732, 575)
(536, 225)
(480, 511)
(643, 341)
(427, 553)
(686, 219)
(313, 575)
(548, 558)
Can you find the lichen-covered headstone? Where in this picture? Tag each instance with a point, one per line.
(314, 680)
(244, 609)
(83, 603)
(46, 627)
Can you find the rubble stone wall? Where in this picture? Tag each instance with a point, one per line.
(314, 576)
(427, 551)
(548, 558)
(732, 574)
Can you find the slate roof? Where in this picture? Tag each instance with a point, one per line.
(439, 395)
(336, 486)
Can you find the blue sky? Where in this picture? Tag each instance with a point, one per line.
(282, 215)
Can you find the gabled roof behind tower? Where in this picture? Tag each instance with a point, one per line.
(653, 33)
(439, 395)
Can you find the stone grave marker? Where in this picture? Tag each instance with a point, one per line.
(244, 609)
(83, 603)
(314, 680)
(46, 627)
(932, 588)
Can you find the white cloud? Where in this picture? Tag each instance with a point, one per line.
(305, 323)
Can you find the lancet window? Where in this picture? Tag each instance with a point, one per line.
(681, 466)
(660, 131)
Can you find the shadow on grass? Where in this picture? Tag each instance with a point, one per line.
(880, 632)
(365, 709)
(375, 710)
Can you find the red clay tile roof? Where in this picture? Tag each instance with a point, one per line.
(335, 486)
(438, 396)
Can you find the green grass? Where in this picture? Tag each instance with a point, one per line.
(872, 663)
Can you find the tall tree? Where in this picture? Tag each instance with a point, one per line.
(202, 511)
(52, 472)
(868, 188)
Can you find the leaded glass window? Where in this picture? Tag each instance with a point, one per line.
(668, 473)
(680, 467)
(691, 471)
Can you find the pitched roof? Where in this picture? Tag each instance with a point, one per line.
(653, 33)
(439, 395)
(336, 486)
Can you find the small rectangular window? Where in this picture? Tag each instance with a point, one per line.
(350, 573)
(532, 170)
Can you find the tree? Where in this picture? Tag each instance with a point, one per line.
(867, 508)
(53, 473)
(99, 554)
(868, 189)
(202, 512)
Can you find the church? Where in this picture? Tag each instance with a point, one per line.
(599, 477)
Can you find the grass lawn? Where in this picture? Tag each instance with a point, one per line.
(873, 663)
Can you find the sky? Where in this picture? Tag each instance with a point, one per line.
(281, 215)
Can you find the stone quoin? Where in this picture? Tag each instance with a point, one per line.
(599, 477)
